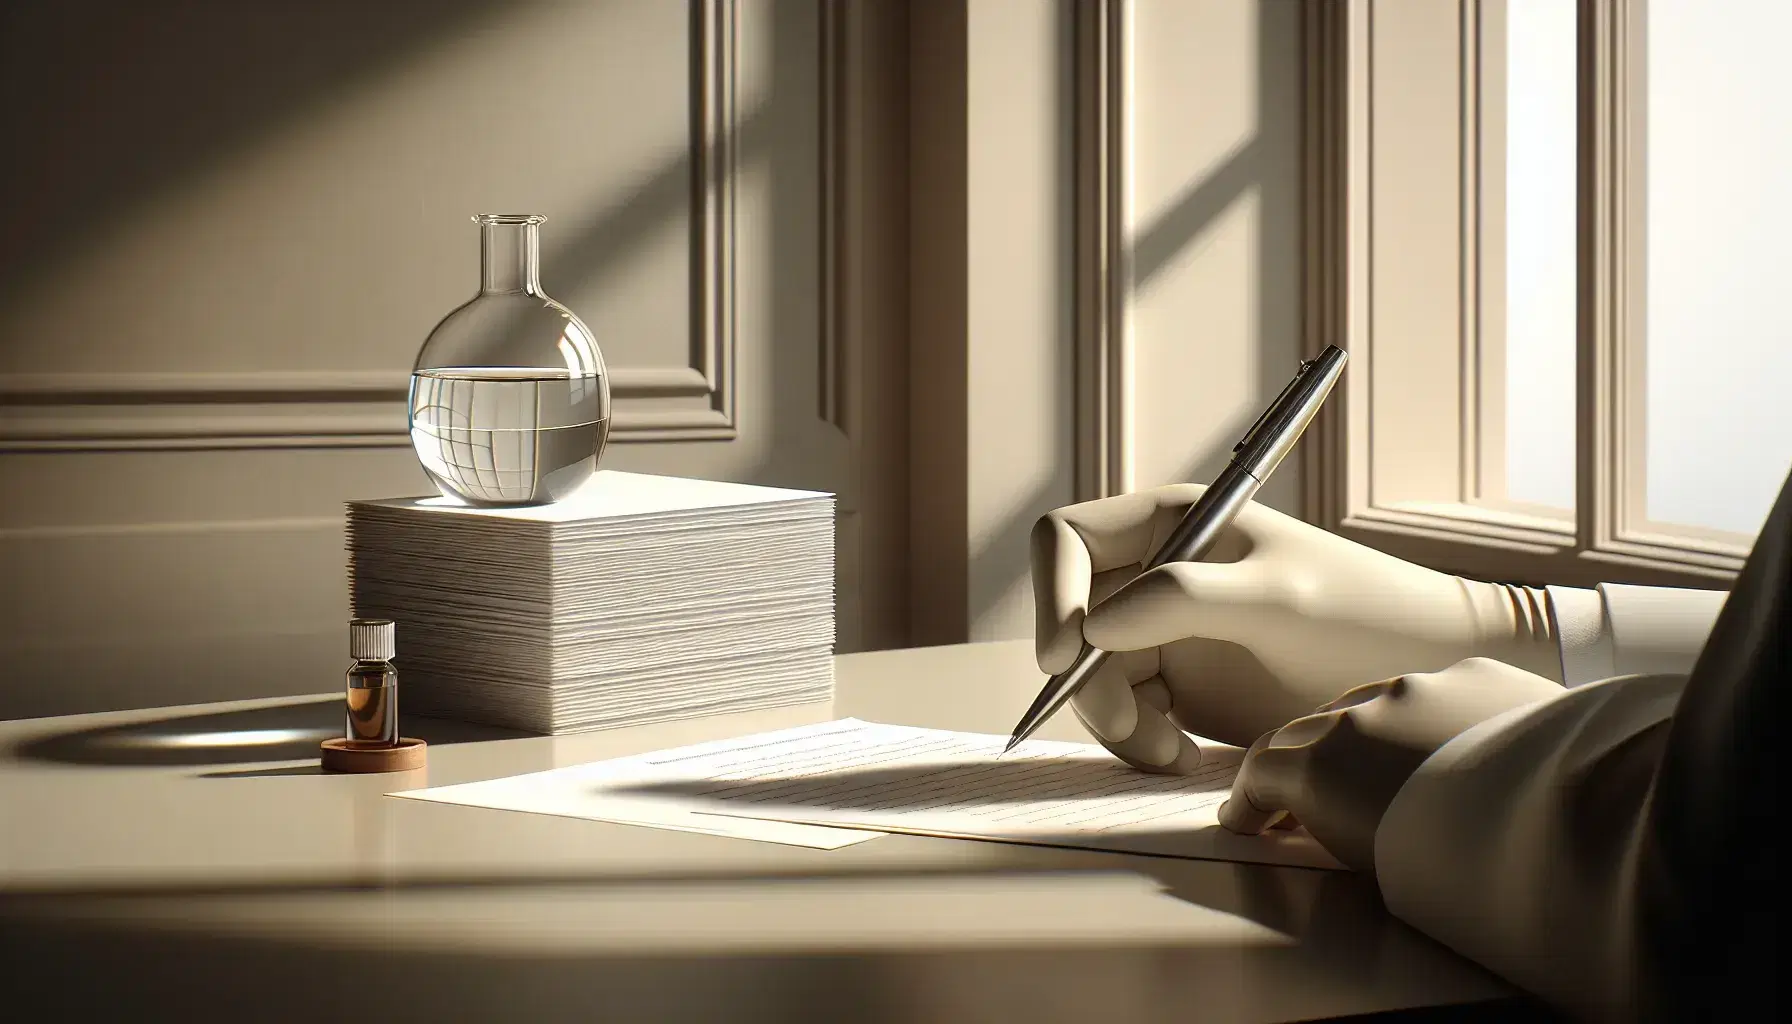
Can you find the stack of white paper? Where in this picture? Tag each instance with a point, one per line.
(638, 599)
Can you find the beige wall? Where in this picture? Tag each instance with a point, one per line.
(227, 250)
(1209, 305)
(234, 229)
(1019, 314)
(1214, 224)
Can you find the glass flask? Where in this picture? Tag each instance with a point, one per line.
(510, 402)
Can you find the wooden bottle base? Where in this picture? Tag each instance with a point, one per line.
(356, 756)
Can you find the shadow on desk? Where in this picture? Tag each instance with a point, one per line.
(283, 732)
(352, 956)
(1506, 1011)
(911, 787)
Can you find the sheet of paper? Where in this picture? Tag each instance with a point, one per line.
(903, 779)
(641, 790)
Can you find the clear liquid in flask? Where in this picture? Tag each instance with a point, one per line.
(507, 435)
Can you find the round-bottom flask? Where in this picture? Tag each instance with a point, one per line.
(509, 401)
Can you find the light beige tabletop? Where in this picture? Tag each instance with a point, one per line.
(195, 862)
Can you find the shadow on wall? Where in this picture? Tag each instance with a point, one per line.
(1249, 169)
(133, 124)
(143, 125)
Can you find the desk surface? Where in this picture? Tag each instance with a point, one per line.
(194, 861)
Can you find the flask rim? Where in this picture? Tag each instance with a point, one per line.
(508, 218)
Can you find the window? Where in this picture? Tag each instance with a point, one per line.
(1545, 230)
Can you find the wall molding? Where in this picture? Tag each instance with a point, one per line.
(160, 411)
(1324, 250)
(89, 531)
(715, 145)
(865, 351)
(834, 103)
(1103, 338)
(287, 409)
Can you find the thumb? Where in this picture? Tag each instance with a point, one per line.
(1215, 600)
(1062, 575)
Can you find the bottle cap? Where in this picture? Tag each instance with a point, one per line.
(372, 639)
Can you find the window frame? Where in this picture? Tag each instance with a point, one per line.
(1404, 188)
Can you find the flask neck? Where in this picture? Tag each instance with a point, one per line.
(509, 258)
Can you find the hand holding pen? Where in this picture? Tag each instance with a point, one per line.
(1205, 520)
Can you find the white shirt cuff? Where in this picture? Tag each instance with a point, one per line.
(1584, 633)
(1658, 630)
(1620, 630)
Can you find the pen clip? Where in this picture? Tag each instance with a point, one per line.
(1251, 434)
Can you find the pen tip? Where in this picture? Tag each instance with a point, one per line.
(1013, 741)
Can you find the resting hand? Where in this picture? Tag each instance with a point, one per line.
(1337, 771)
(1278, 618)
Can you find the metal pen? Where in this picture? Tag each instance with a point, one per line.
(1253, 459)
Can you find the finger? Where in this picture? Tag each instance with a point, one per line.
(1158, 746)
(1240, 813)
(1062, 575)
(1121, 530)
(1106, 704)
(1155, 693)
(1358, 695)
(1286, 821)
(1127, 529)
(1216, 600)
(1272, 778)
(1144, 749)
(1071, 545)
(1130, 727)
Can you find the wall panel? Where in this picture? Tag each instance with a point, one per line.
(221, 273)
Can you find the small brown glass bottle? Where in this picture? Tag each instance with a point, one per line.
(372, 683)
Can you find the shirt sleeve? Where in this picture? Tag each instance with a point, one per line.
(1517, 842)
(1616, 629)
